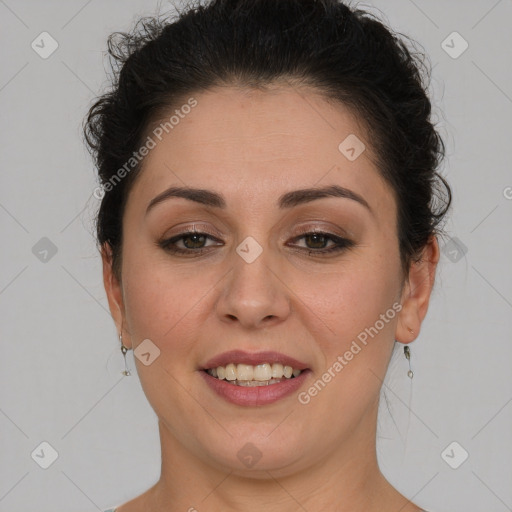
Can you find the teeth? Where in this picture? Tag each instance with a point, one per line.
(259, 375)
(230, 372)
(262, 372)
(277, 370)
(254, 383)
(244, 372)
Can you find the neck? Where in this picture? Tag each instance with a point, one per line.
(346, 479)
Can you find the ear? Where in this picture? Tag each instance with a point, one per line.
(114, 292)
(416, 293)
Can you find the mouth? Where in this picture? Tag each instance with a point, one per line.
(250, 376)
(252, 379)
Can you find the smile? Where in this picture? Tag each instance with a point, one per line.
(259, 375)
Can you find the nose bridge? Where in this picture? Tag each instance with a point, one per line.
(252, 293)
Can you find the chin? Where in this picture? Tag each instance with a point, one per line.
(254, 455)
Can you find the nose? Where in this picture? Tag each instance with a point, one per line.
(253, 295)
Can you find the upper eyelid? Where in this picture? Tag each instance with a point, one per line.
(180, 236)
(302, 233)
(303, 229)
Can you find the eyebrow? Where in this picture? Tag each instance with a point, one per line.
(287, 200)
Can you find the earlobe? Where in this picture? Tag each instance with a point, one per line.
(113, 290)
(416, 293)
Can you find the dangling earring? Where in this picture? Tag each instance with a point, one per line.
(124, 350)
(407, 352)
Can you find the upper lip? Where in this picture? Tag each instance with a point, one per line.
(255, 358)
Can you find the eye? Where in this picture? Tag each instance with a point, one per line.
(316, 241)
(193, 243)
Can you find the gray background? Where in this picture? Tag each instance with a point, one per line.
(60, 361)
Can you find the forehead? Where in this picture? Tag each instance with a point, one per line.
(256, 144)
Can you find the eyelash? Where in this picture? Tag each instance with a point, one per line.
(341, 243)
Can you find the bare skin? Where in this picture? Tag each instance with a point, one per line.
(252, 147)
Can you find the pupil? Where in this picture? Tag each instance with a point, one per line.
(317, 237)
(196, 237)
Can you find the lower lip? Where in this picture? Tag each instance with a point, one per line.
(257, 395)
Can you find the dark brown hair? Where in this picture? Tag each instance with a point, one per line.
(346, 54)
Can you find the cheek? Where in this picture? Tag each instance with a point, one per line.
(166, 304)
(356, 319)
(354, 297)
(156, 302)
(352, 311)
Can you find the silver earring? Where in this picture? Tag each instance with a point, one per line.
(407, 353)
(124, 350)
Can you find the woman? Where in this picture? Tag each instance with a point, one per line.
(268, 233)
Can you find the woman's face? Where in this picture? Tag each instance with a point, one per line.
(258, 282)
